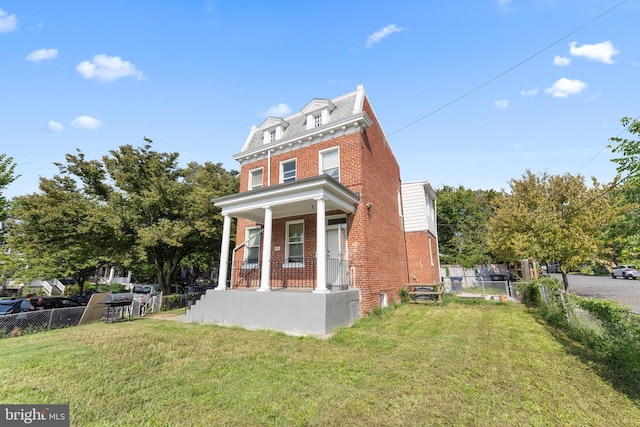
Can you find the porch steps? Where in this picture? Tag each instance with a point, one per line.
(196, 312)
(426, 293)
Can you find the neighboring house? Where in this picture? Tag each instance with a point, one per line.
(319, 220)
(419, 207)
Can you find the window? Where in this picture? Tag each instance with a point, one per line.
(272, 136)
(255, 179)
(317, 120)
(252, 247)
(330, 163)
(295, 242)
(288, 171)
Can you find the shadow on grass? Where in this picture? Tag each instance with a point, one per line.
(607, 369)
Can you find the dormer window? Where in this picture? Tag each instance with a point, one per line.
(317, 112)
(272, 129)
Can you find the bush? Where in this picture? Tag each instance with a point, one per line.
(405, 297)
(170, 302)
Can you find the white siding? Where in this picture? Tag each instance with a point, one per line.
(419, 207)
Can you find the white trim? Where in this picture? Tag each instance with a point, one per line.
(282, 163)
(251, 172)
(287, 263)
(320, 158)
(247, 238)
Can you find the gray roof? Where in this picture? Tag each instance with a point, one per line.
(345, 106)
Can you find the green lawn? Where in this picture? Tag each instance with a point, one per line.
(488, 364)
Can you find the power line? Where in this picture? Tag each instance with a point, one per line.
(605, 147)
(491, 80)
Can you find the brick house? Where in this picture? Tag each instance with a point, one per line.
(320, 234)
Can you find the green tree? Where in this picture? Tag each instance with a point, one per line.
(7, 176)
(626, 233)
(158, 212)
(60, 232)
(463, 216)
(551, 218)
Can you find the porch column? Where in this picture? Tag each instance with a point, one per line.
(265, 278)
(321, 248)
(224, 254)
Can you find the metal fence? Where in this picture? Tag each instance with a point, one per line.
(152, 305)
(481, 286)
(15, 324)
(298, 273)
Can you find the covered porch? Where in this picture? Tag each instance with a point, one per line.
(306, 292)
(324, 269)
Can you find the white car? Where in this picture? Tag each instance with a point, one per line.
(144, 292)
(625, 271)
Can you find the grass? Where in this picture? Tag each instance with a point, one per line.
(481, 364)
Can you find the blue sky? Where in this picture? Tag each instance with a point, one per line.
(196, 75)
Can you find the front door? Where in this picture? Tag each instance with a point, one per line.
(337, 265)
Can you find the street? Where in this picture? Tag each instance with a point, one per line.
(625, 292)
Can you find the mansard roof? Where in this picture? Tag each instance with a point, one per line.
(345, 114)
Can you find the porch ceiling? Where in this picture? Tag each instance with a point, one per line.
(290, 199)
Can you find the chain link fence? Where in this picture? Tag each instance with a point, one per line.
(40, 320)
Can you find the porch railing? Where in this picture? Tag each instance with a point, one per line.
(292, 273)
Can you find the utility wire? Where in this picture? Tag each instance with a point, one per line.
(491, 80)
(605, 147)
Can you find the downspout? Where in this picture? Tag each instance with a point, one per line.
(404, 236)
(435, 215)
(268, 167)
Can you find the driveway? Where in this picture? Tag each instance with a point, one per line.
(626, 292)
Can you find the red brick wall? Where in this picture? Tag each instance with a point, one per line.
(376, 237)
(421, 269)
(379, 243)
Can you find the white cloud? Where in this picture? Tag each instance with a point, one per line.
(596, 52)
(55, 126)
(8, 22)
(564, 87)
(108, 68)
(41, 55)
(561, 61)
(635, 63)
(504, 3)
(380, 34)
(86, 122)
(501, 104)
(529, 92)
(279, 110)
(519, 145)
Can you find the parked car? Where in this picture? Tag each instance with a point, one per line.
(84, 297)
(55, 302)
(144, 292)
(625, 271)
(554, 267)
(178, 289)
(10, 306)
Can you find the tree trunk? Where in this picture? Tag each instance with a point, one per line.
(565, 280)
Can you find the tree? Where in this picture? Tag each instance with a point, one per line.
(7, 169)
(158, 211)
(60, 232)
(463, 216)
(553, 218)
(626, 233)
